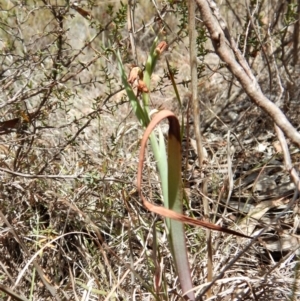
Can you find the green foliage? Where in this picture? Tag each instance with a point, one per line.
(291, 14)
(181, 12)
(201, 49)
(201, 42)
(119, 22)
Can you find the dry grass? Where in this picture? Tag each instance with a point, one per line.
(87, 228)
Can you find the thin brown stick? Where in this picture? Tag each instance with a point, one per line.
(194, 79)
(197, 129)
(131, 30)
(287, 159)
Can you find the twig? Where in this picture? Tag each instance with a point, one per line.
(197, 129)
(287, 160)
(194, 79)
(131, 30)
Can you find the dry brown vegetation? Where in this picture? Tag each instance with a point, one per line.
(72, 226)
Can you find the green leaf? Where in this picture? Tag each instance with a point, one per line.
(150, 65)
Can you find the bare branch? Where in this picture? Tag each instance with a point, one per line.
(236, 63)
